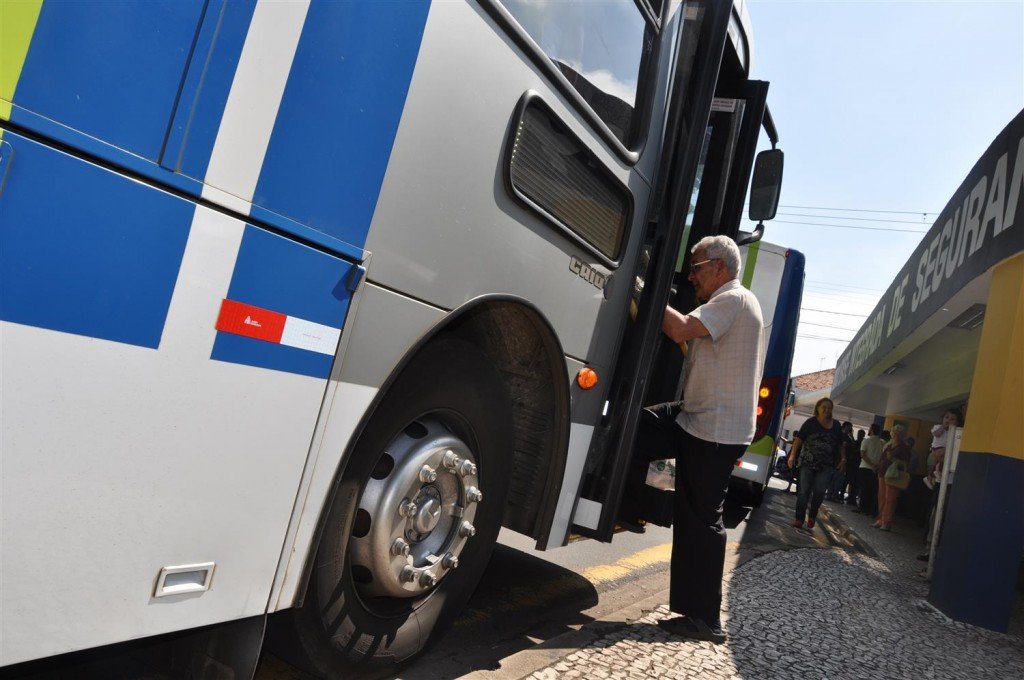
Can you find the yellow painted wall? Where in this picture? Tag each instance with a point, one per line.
(996, 421)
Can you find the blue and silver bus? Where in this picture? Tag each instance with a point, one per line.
(775, 274)
(301, 302)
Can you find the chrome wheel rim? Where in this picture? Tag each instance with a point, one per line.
(415, 515)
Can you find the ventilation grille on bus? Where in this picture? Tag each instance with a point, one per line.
(554, 173)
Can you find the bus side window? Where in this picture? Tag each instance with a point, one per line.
(600, 48)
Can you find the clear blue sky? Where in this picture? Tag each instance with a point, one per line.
(879, 106)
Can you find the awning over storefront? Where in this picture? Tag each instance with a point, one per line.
(917, 351)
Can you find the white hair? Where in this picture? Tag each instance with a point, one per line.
(721, 248)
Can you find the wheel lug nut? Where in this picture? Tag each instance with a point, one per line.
(408, 574)
(467, 468)
(450, 561)
(474, 495)
(450, 460)
(428, 474)
(467, 530)
(407, 508)
(400, 548)
(428, 580)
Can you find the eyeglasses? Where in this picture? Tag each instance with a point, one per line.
(694, 265)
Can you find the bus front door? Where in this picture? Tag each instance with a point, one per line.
(650, 370)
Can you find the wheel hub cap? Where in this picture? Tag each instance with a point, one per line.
(426, 499)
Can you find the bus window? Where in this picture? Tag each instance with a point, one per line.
(598, 47)
(692, 209)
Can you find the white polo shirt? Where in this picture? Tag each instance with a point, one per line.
(724, 369)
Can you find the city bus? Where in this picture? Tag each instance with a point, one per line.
(776, 276)
(301, 302)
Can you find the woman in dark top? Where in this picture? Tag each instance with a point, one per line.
(895, 450)
(821, 448)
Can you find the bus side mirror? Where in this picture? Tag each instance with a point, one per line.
(766, 185)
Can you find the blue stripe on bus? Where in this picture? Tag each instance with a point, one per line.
(86, 251)
(779, 359)
(111, 70)
(339, 115)
(292, 279)
(205, 92)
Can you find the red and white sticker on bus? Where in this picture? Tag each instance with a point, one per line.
(264, 324)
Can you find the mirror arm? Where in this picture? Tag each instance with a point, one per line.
(747, 237)
(769, 126)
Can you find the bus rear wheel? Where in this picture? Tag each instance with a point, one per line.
(414, 519)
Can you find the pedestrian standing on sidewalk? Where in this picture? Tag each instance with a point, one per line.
(870, 455)
(853, 470)
(937, 453)
(820, 446)
(895, 452)
(838, 482)
(723, 371)
(936, 459)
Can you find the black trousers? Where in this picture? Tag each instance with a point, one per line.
(868, 501)
(852, 479)
(703, 470)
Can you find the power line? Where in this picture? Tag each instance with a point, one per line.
(855, 219)
(825, 325)
(834, 300)
(829, 311)
(818, 288)
(814, 289)
(843, 285)
(821, 337)
(842, 288)
(893, 212)
(850, 226)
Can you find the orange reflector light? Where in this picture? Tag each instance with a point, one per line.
(759, 410)
(586, 378)
(764, 393)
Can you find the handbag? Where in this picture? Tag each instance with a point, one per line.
(897, 475)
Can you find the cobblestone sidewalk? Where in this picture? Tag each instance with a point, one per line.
(812, 613)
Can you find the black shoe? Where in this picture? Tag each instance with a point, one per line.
(693, 629)
(923, 557)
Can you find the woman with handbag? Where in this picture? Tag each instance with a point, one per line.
(893, 476)
(821, 449)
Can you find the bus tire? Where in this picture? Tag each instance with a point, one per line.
(347, 625)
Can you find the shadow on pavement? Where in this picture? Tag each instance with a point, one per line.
(522, 599)
(769, 528)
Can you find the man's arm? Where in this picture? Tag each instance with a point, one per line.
(682, 327)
